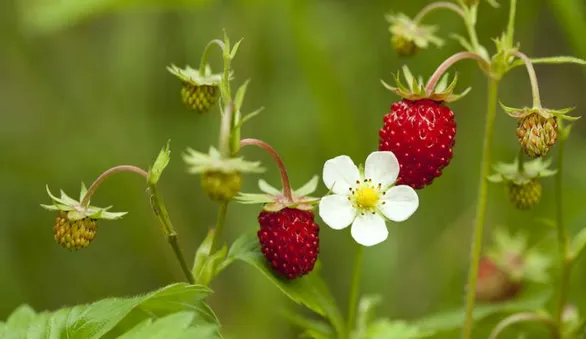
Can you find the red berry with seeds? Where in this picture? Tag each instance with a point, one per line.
(495, 284)
(289, 240)
(421, 134)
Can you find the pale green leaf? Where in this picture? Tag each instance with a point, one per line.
(310, 290)
(267, 188)
(160, 163)
(578, 243)
(235, 49)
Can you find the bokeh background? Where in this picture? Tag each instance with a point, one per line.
(83, 87)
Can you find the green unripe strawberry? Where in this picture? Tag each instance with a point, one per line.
(74, 235)
(525, 196)
(221, 186)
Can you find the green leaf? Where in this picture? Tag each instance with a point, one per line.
(451, 320)
(313, 328)
(578, 244)
(239, 99)
(176, 326)
(310, 290)
(552, 60)
(387, 329)
(110, 317)
(160, 163)
(206, 267)
(235, 49)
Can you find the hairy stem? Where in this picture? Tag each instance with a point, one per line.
(562, 238)
(162, 215)
(354, 290)
(447, 64)
(480, 209)
(122, 168)
(284, 176)
(219, 226)
(438, 5)
(524, 317)
(532, 78)
(206, 52)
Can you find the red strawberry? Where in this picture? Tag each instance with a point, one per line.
(494, 284)
(289, 240)
(421, 135)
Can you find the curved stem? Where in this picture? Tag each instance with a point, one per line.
(206, 51)
(438, 5)
(480, 209)
(219, 226)
(284, 177)
(562, 237)
(122, 168)
(447, 64)
(354, 290)
(532, 78)
(524, 317)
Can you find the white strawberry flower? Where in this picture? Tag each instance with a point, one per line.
(365, 198)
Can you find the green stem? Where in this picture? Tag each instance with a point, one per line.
(163, 216)
(470, 22)
(480, 209)
(438, 5)
(532, 78)
(449, 62)
(354, 289)
(524, 317)
(219, 226)
(206, 52)
(562, 238)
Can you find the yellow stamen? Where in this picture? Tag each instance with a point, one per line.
(366, 197)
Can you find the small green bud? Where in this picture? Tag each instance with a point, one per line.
(221, 186)
(525, 196)
(200, 98)
(403, 46)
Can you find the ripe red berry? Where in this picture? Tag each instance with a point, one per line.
(421, 134)
(494, 284)
(289, 240)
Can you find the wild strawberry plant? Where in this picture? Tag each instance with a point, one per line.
(417, 142)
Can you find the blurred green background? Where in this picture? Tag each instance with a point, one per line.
(83, 87)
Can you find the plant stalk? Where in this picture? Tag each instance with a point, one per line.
(532, 78)
(162, 215)
(480, 209)
(287, 192)
(354, 290)
(438, 5)
(436, 76)
(562, 238)
(524, 317)
(219, 226)
(206, 52)
(122, 168)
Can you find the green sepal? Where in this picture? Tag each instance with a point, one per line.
(415, 89)
(544, 112)
(193, 76)
(75, 211)
(274, 199)
(206, 266)
(421, 35)
(213, 161)
(160, 164)
(509, 172)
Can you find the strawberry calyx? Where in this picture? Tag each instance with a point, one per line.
(511, 172)
(275, 200)
(416, 89)
(546, 113)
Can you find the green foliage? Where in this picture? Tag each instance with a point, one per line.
(310, 290)
(206, 267)
(160, 163)
(176, 308)
(452, 320)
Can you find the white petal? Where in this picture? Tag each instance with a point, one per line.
(369, 229)
(336, 211)
(382, 167)
(340, 173)
(400, 202)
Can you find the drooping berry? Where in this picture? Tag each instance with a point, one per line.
(421, 134)
(494, 284)
(199, 98)
(289, 240)
(524, 196)
(221, 186)
(537, 134)
(74, 235)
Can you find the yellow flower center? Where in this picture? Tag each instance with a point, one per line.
(365, 195)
